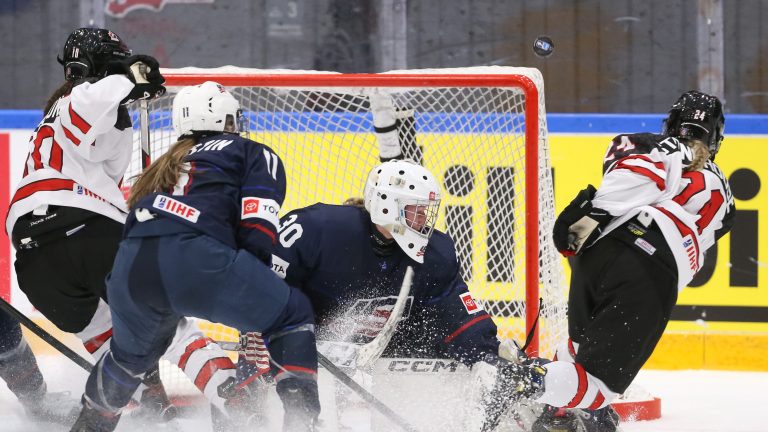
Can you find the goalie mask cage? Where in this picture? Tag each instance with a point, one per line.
(480, 130)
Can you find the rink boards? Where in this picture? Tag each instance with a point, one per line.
(725, 313)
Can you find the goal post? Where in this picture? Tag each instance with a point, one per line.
(481, 131)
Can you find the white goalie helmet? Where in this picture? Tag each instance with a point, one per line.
(404, 198)
(205, 108)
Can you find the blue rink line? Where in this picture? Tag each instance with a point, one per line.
(745, 124)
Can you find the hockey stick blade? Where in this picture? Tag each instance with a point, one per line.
(364, 394)
(371, 351)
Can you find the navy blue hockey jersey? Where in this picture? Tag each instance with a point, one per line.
(327, 252)
(231, 190)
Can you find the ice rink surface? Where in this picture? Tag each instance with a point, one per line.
(692, 401)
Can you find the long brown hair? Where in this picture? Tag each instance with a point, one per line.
(64, 89)
(700, 154)
(163, 173)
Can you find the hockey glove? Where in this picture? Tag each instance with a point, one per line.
(579, 224)
(144, 72)
(385, 125)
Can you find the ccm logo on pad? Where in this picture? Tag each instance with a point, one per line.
(469, 303)
(261, 208)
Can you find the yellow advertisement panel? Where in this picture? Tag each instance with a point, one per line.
(482, 208)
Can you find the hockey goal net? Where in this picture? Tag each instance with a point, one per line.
(482, 132)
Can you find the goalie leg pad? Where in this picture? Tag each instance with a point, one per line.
(202, 360)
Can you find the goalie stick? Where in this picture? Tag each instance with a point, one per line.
(367, 354)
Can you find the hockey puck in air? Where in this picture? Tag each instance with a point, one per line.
(543, 46)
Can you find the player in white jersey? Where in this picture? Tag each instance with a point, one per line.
(635, 242)
(66, 216)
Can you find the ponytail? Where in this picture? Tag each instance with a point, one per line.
(64, 90)
(700, 155)
(163, 173)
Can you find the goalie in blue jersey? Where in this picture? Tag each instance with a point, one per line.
(351, 260)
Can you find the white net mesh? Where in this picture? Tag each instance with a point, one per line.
(468, 126)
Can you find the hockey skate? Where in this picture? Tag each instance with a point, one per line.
(244, 408)
(56, 407)
(94, 420)
(154, 403)
(301, 405)
(577, 420)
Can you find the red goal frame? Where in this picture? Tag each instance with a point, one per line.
(521, 82)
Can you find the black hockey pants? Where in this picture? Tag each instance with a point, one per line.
(64, 275)
(620, 302)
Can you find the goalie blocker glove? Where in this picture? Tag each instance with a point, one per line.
(579, 224)
(144, 72)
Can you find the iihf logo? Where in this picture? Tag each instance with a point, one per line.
(161, 202)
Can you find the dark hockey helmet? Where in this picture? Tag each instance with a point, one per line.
(88, 50)
(697, 115)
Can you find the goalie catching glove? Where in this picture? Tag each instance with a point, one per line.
(579, 224)
(144, 72)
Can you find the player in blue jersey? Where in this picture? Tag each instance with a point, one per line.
(19, 370)
(350, 261)
(198, 242)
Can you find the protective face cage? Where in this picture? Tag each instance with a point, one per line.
(242, 124)
(419, 216)
(87, 52)
(699, 116)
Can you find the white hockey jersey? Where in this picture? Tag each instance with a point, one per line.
(77, 157)
(643, 175)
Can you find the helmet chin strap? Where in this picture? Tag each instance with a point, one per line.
(383, 246)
